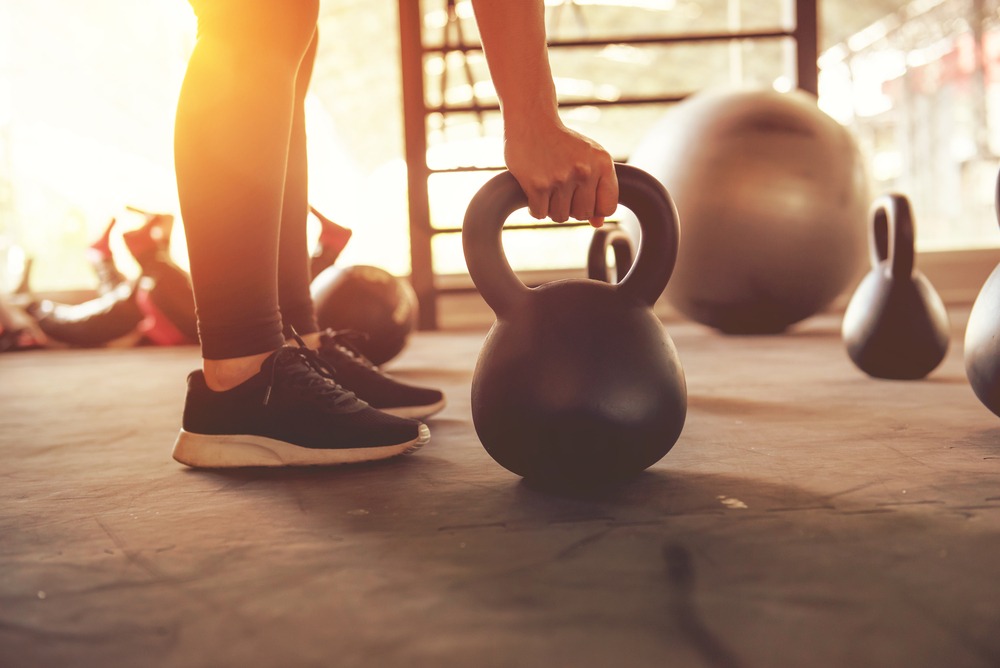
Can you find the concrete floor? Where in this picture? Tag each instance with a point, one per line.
(808, 516)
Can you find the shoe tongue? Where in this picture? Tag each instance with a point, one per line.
(297, 358)
(289, 363)
(283, 357)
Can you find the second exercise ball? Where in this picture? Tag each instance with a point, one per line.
(368, 300)
(773, 197)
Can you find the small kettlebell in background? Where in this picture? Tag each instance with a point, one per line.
(896, 325)
(982, 348)
(613, 236)
(578, 383)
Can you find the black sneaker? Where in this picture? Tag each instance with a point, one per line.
(355, 372)
(291, 413)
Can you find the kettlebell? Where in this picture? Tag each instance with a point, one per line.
(982, 350)
(895, 325)
(609, 235)
(577, 382)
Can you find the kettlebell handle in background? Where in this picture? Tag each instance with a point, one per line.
(892, 236)
(613, 236)
(502, 195)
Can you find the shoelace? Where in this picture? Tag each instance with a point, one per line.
(314, 374)
(345, 340)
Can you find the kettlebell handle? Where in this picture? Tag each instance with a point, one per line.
(892, 234)
(502, 195)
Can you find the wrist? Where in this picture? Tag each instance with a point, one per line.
(530, 119)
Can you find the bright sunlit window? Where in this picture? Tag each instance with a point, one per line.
(87, 105)
(921, 90)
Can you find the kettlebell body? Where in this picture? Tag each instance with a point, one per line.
(577, 382)
(982, 348)
(982, 344)
(895, 326)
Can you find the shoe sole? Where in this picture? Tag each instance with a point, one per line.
(415, 412)
(237, 450)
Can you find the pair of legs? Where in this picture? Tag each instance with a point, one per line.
(240, 151)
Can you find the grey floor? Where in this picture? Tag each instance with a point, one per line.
(808, 516)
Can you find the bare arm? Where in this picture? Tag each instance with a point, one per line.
(563, 173)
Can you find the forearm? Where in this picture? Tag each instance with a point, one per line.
(563, 173)
(513, 36)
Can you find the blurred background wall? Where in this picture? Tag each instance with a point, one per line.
(87, 95)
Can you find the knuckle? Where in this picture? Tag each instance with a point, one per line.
(581, 171)
(558, 181)
(537, 186)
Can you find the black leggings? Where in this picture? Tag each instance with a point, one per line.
(240, 157)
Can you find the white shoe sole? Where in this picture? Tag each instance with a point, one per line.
(231, 451)
(416, 412)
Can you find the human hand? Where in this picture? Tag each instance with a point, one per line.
(564, 174)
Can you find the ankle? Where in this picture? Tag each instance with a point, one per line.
(312, 340)
(225, 374)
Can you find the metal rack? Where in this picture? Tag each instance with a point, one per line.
(803, 31)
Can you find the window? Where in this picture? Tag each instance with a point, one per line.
(88, 93)
(921, 89)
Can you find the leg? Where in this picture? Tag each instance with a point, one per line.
(239, 124)
(294, 277)
(234, 123)
(293, 251)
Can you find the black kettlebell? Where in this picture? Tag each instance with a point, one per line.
(982, 347)
(577, 382)
(895, 325)
(609, 235)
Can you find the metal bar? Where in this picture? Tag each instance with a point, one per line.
(638, 40)
(459, 169)
(525, 226)
(563, 104)
(415, 141)
(803, 31)
(806, 36)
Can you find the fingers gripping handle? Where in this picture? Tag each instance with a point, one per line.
(502, 195)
